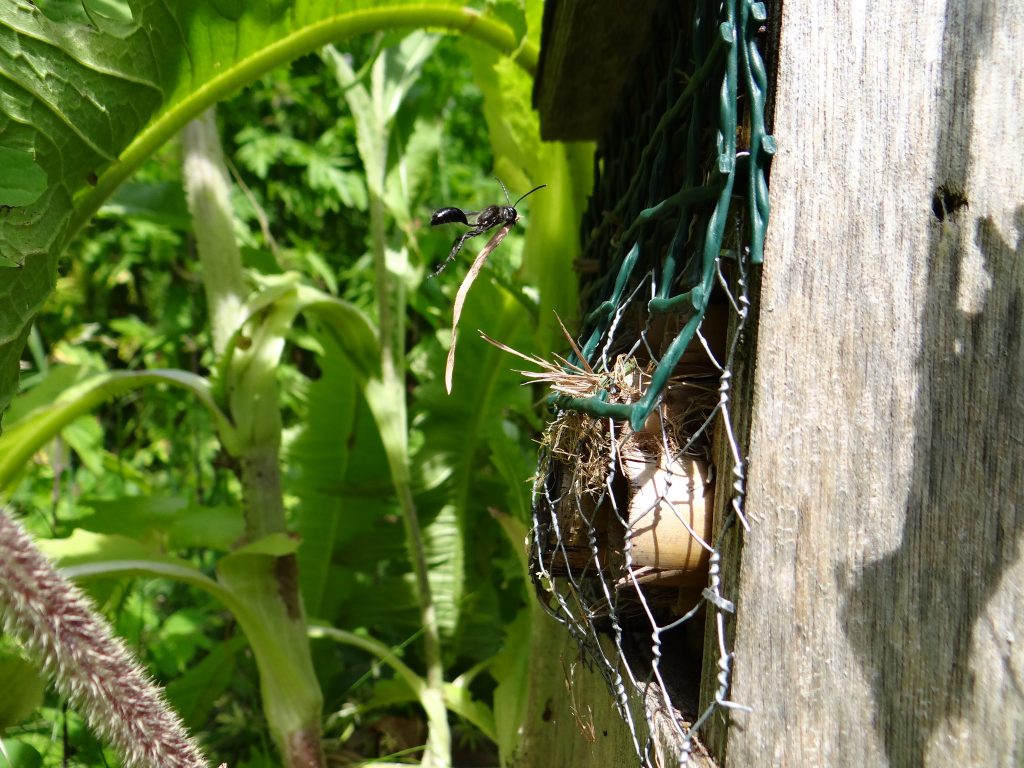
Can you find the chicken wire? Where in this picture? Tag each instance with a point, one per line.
(677, 218)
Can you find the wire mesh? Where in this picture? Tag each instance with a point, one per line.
(624, 548)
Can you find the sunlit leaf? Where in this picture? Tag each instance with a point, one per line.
(23, 689)
(179, 521)
(91, 92)
(179, 637)
(15, 753)
(86, 548)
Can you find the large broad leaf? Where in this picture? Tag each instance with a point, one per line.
(175, 522)
(452, 461)
(316, 458)
(346, 512)
(86, 554)
(45, 422)
(88, 97)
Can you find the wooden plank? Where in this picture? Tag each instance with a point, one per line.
(881, 590)
(588, 51)
(571, 719)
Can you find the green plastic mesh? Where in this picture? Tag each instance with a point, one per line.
(677, 217)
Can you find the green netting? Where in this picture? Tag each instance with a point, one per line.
(678, 214)
(723, 43)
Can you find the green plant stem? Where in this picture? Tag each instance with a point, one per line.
(444, 18)
(416, 683)
(267, 586)
(260, 473)
(210, 203)
(24, 438)
(387, 399)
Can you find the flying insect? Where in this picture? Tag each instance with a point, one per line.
(479, 222)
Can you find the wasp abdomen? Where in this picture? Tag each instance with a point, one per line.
(448, 216)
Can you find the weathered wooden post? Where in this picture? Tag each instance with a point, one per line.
(879, 593)
(882, 590)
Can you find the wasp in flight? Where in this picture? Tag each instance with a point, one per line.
(479, 222)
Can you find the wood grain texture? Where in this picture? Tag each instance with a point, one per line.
(576, 725)
(881, 591)
(588, 51)
(573, 726)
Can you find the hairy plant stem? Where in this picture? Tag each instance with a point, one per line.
(267, 584)
(65, 634)
(392, 419)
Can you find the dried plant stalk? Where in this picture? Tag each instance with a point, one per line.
(460, 297)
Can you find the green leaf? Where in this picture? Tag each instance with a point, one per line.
(178, 521)
(23, 181)
(18, 443)
(15, 753)
(23, 690)
(115, 10)
(47, 389)
(64, 10)
(374, 105)
(161, 203)
(194, 693)
(523, 161)
(445, 546)
(179, 637)
(84, 548)
(390, 692)
(453, 451)
(511, 669)
(396, 71)
(515, 466)
(416, 165)
(90, 94)
(317, 459)
(85, 11)
(347, 326)
(512, 13)
(459, 699)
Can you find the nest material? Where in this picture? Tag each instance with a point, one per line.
(582, 440)
(635, 506)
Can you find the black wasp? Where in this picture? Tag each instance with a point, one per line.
(479, 222)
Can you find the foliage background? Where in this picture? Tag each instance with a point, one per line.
(147, 471)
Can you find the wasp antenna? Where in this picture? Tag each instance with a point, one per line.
(528, 194)
(503, 188)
